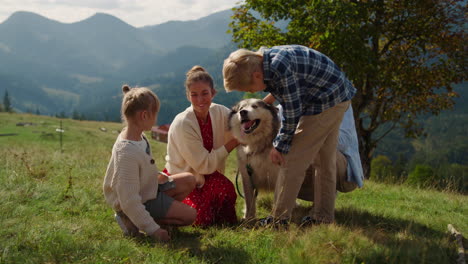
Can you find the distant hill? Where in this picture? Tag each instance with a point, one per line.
(59, 67)
(207, 32)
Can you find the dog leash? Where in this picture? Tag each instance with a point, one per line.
(250, 172)
(237, 184)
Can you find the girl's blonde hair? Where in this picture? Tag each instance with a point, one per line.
(138, 99)
(239, 67)
(198, 74)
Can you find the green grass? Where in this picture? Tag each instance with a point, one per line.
(53, 211)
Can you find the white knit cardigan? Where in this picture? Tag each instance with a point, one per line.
(185, 150)
(131, 180)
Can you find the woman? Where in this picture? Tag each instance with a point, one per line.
(199, 142)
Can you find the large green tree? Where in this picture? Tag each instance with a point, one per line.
(403, 56)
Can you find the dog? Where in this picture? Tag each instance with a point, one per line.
(255, 125)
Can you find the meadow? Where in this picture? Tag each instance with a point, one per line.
(53, 211)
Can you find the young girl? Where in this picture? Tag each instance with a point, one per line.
(199, 142)
(142, 198)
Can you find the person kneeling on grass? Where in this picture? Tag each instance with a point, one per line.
(143, 198)
(349, 173)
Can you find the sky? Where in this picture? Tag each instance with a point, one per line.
(137, 13)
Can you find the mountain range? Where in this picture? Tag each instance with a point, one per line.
(52, 67)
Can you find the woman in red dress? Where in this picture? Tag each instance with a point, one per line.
(200, 142)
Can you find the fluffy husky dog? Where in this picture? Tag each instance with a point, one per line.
(255, 124)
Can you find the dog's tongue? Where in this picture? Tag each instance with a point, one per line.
(248, 124)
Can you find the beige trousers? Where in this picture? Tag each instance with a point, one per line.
(314, 143)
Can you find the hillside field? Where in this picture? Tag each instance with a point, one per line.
(53, 211)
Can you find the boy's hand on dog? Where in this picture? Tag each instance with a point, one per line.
(161, 235)
(276, 157)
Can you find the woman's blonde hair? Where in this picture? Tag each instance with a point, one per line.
(239, 67)
(198, 74)
(138, 99)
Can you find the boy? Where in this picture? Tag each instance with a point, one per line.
(314, 94)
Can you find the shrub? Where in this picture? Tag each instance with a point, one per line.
(453, 177)
(422, 176)
(382, 169)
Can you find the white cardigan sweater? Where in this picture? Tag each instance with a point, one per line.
(185, 150)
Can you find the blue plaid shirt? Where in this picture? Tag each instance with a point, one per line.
(305, 82)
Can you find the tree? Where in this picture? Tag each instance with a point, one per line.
(61, 115)
(6, 102)
(402, 56)
(76, 115)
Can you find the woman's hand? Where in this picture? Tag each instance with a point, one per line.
(199, 180)
(231, 144)
(161, 235)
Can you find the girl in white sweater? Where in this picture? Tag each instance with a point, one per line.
(142, 198)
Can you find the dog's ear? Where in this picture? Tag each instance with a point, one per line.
(264, 104)
(273, 109)
(267, 105)
(231, 114)
(235, 108)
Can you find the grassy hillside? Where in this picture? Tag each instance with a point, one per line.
(53, 211)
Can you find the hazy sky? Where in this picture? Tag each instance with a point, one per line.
(137, 13)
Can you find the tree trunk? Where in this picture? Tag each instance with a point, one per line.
(366, 159)
(366, 148)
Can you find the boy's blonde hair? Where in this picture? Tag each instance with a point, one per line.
(138, 99)
(239, 67)
(198, 74)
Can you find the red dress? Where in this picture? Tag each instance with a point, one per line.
(216, 200)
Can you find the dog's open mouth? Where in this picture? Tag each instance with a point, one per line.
(248, 126)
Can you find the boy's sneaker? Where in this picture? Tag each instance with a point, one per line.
(269, 221)
(309, 221)
(128, 228)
